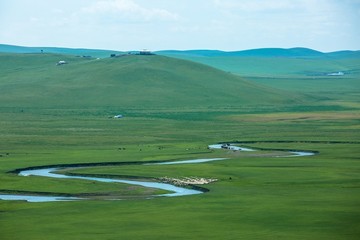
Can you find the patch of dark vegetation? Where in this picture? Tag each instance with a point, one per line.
(202, 189)
(78, 165)
(292, 141)
(111, 176)
(35, 193)
(281, 166)
(211, 114)
(192, 153)
(319, 108)
(288, 141)
(271, 149)
(88, 196)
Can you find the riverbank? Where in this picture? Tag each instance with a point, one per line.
(176, 186)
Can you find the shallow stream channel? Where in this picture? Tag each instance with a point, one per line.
(173, 189)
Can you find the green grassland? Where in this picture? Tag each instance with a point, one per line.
(173, 109)
(80, 52)
(297, 69)
(128, 82)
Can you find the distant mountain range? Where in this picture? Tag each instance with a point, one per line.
(276, 62)
(261, 52)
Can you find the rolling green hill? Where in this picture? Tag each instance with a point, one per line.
(299, 70)
(128, 81)
(261, 52)
(276, 62)
(4, 48)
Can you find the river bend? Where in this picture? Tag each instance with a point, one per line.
(174, 190)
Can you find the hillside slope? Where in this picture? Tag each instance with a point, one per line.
(261, 52)
(5, 48)
(30, 80)
(276, 62)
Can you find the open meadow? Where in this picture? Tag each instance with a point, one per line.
(173, 109)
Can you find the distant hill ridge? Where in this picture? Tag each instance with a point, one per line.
(4, 48)
(261, 52)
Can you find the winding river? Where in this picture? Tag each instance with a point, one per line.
(174, 190)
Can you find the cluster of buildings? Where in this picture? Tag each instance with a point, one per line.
(142, 52)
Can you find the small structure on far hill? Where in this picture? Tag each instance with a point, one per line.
(61, 63)
(146, 52)
(131, 53)
(118, 116)
(336, 74)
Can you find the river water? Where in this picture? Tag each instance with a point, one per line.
(174, 190)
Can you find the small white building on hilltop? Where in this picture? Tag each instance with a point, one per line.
(118, 116)
(145, 52)
(61, 63)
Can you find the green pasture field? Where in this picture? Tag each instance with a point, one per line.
(281, 67)
(258, 195)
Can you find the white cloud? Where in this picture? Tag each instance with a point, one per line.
(310, 23)
(182, 24)
(255, 5)
(128, 9)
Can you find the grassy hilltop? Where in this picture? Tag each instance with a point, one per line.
(30, 80)
(82, 52)
(173, 109)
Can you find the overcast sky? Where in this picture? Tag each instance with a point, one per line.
(325, 25)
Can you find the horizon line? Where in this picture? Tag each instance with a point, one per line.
(187, 49)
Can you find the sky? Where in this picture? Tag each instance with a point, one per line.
(229, 25)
